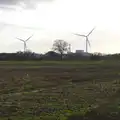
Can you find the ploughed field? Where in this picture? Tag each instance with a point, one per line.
(56, 90)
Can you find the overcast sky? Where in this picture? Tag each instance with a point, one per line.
(58, 19)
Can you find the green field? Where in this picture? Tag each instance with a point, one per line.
(52, 63)
(50, 90)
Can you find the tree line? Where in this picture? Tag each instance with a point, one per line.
(58, 52)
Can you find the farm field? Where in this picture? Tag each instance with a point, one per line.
(47, 90)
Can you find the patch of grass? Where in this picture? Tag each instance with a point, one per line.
(58, 92)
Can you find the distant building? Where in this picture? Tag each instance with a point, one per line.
(80, 51)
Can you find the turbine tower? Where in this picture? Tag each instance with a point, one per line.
(25, 41)
(86, 36)
(69, 48)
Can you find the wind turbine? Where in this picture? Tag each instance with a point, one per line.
(86, 36)
(25, 41)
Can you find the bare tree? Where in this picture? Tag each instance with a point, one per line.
(60, 46)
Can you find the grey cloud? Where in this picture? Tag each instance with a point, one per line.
(26, 4)
(9, 2)
(3, 25)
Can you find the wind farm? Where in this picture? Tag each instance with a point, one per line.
(69, 69)
(54, 77)
(59, 84)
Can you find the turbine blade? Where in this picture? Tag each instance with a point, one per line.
(91, 31)
(29, 38)
(79, 35)
(20, 39)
